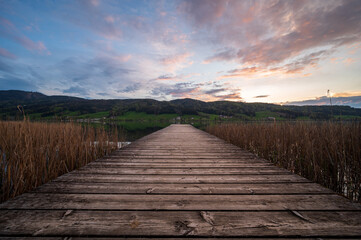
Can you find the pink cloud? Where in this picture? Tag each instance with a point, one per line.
(176, 61)
(95, 3)
(296, 66)
(9, 31)
(270, 33)
(90, 15)
(203, 12)
(109, 19)
(122, 58)
(6, 53)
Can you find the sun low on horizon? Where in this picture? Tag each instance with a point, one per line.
(274, 51)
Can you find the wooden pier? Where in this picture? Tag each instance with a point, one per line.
(180, 182)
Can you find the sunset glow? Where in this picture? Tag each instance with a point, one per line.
(254, 51)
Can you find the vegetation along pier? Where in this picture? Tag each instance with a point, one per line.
(180, 182)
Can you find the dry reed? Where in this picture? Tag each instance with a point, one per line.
(328, 153)
(34, 153)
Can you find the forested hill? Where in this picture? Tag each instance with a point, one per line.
(38, 105)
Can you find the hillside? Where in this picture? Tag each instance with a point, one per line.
(40, 106)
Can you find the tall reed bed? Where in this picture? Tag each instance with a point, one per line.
(328, 153)
(33, 153)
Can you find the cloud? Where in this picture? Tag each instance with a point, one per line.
(261, 96)
(346, 94)
(131, 88)
(122, 58)
(176, 61)
(5, 53)
(196, 90)
(178, 90)
(10, 83)
(4, 67)
(77, 91)
(225, 55)
(219, 93)
(166, 77)
(9, 31)
(215, 91)
(100, 67)
(231, 96)
(88, 76)
(353, 101)
(92, 15)
(203, 12)
(265, 34)
(349, 61)
(227, 95)
(294, 67)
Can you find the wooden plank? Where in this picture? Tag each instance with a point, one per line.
(148, 188)
(115, 164)
(181, 223)
(150, 238)
(184, 160)
(182, 171)
(200, 157)
(157, 154)
(179, 202)
(78, 177)
(184, 150)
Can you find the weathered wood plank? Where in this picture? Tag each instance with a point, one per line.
(147, 188)
(150, 238)
(196, 157)
(156, 154)
(116, 164)
(78, 177)
(180, 161)
(182, 171)
(179, 202)
(181, 223)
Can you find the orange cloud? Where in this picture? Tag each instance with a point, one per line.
(347, 94)
(349, 61)
(295, 67)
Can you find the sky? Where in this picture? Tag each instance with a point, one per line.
(275, 51)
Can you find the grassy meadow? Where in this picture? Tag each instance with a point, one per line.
(32, 153)
(328, 153)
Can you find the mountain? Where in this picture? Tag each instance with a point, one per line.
(16, 95)
(38, 105)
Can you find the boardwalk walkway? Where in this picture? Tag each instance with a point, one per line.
(180, 182)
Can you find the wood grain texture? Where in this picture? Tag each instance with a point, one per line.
(185, 178)
(179, 202)
(185, 189)
(180, 223)
(180, 183)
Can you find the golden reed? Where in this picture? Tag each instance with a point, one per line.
(328, 153)
(32, 153)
